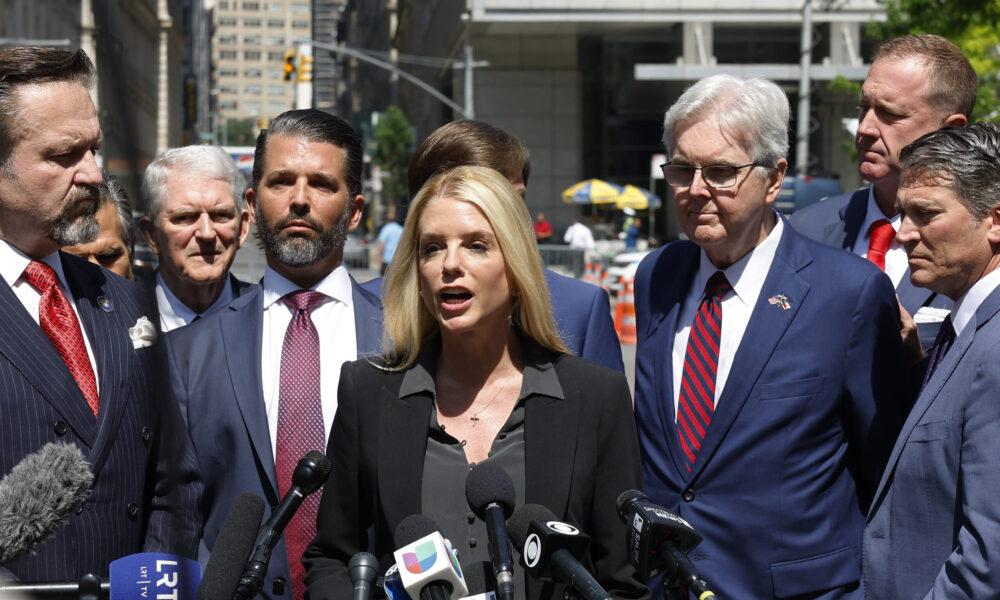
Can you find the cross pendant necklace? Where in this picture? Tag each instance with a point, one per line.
(475, 415)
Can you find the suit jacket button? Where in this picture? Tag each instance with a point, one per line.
(60, 428)
(688, 496)
(278, 586)
(147, 432)
(132, 510)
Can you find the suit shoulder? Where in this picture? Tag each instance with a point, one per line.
(822, 212)
(581, 372)
(373, 287)
(667, 258)
(375, 299)
(568, 286)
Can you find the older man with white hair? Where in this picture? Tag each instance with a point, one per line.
(766, 362)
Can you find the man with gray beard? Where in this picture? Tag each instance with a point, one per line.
(257, 381)
(72, 372)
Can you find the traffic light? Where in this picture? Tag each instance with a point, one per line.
(289, 66)
(306, 69)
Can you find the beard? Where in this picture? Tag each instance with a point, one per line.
(70, 229)
(296, 250)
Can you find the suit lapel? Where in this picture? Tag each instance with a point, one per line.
(852, 217)
(242, 324)
(31, 352)
(402, 445)
(768, 324)
(550, 438)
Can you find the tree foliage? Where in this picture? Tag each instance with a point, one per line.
(393, 142)
(971, 24)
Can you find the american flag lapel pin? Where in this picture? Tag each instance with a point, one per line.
(781, 300)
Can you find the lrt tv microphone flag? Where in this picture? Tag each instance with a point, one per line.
(154, 575)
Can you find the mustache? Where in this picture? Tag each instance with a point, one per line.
(308, 220)
(85, 192)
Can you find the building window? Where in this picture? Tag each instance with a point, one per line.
(277, 107)
(300, 24)
(251, 107)
(252, 89)
(251, 22)
(300, 7)
(251, 55)
(275, 55)
(275, 74)
(276, 90)
(275, 40)
(227, 38)
(228, 105)
(252, 40)
(228, 72)
(275, 22)
(227, 54)
(223, 5)
(229, 88)
(251, 6)
(252, 73)
(227, 21)
(277, 7)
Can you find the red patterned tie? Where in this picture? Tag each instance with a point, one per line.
(59, 322)
(881, 236)
(300, 422)
(701, 361)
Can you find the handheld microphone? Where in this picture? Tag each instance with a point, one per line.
(39, 495)
(490, 493)
(552, 550)
(232, 548)
(142, 575)
(310, 474)
(427, 566)
(658, 541)
(362, 571)
(392, 583)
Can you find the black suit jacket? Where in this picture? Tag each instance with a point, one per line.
(145, 479)
(581, 452)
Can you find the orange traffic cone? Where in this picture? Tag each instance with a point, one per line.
(625, 315)
(588, 275)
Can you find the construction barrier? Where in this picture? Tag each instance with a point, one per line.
(625, 314)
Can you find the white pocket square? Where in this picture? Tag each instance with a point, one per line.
(143, 334)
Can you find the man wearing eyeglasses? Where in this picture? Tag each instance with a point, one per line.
(766, 362)
(916, 84)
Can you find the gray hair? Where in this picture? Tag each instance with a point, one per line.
(112, 191)
(966, 159)
(191, 162)
(753, 111)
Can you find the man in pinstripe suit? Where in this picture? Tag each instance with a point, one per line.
(70, 369)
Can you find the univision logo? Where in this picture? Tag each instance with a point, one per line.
(421, 559)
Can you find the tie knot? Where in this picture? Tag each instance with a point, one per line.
(882, 230)
(717, 285)
(40, 276)
(306, 300)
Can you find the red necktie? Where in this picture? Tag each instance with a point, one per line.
(881, 236)
(701, 362)
(58, 321)
(300, 422)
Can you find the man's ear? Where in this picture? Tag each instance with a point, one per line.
(251, 199)
(993, 235)
(357, 209)
(955, 120)
(148, 231)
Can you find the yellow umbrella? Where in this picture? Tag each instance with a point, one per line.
(591, 191)
(637, 198)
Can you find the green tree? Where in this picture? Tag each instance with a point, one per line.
(240, 132)
(971, 24)
(393, 141)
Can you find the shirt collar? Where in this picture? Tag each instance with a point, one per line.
(538, 378)
(336, 285)
(13, 262)
(748, 273)
(874, 213)
(173, 310)
(966, 306)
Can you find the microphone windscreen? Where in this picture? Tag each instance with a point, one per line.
(39, 494)
(487, 483)
(232, 548)
(311, 472)
(412, 528)
(517, 524)
(626, 501)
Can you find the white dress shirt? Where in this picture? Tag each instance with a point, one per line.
(968, 304)
(896, 262)
(174, 313)
(334, 321)
(13, 262)
(747, 278)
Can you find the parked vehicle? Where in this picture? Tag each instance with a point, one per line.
(800, 192)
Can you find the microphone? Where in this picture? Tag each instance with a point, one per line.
(552, 550)
(658, 541)
(490, 493)
(362, 571)
(310, 474)
(39, 495)
(392, 584)
(232, 548)
(142, 575)
(427, 565)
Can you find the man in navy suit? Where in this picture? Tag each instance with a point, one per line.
(70, 370)
(765, 365)
(582, 311)
(934, 526)
(916, 84)
(236, 372)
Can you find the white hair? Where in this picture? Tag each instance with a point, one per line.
(194, 162)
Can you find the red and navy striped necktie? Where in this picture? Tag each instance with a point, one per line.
(701, 362)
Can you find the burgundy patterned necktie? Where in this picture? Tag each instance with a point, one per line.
(300, 422)
(58, 321)
(701, 362)
(943, 341)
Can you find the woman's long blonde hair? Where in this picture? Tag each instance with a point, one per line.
(408, 323)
